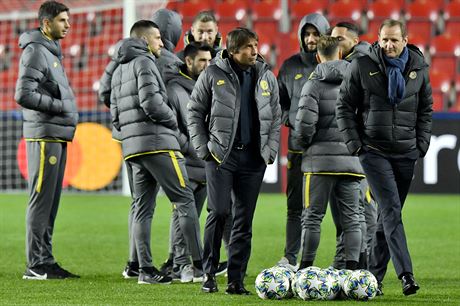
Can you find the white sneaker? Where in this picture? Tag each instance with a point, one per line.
(186, 274)
(284, 262)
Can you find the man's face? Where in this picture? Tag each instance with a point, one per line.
(391, 41)
(310, 37)
(247, 54)
(205, 32)
(347, 40)
(153, 38)
(199, 63)
(57, 27)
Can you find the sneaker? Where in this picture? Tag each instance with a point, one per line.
(151, 275)
(167, 267)
(131, 270)
(57, 272)
(186, 274)
(379, 289)
(36, 273)
(221, 268)
(209, 284)
(409, 285)
(284, 262)
(197, 275)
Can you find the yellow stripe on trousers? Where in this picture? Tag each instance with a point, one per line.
(177, 168)
(307, 190)
(41, 170)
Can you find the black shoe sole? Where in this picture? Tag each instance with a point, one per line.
(209, 290)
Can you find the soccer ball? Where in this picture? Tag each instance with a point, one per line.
(343, 274)
(333, 279)
(360, 285)
(273, 284)
(312, 283)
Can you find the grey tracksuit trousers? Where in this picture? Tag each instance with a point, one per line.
(46, 165)
(317, 192)
(165, 169)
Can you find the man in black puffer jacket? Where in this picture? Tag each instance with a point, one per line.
(384, 112)
(50, 118)
(234, 123)
(328, 168)
(149, 136)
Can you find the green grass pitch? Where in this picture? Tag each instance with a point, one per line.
(91, 240)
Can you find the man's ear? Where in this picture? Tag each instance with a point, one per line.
(318, 59)
(188, 61)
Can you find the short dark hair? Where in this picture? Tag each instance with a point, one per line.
(194, 47)
(50, 9)
(238, 37)
(391, 23)
(138, 28)
(205, 16)
(351, 27)
(327, 46)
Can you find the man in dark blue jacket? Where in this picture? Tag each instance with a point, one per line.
(384, 112)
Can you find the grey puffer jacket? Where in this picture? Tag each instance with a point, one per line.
(293, 74)
(366, 118)
(42, 89)
(139, 103)
(170, 24)
(360, 49)
(179, 88)
(214, 109)
(324, 151)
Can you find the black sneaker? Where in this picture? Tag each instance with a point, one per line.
(221, 268)
(209, 283)
(36, 273)
(237, 288)
(409, 286)
(151, 275)
(379, 289)
(57, 272)
(131, 270)
(167, 267)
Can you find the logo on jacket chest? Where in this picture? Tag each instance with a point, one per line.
(413, 75)
(264, 87)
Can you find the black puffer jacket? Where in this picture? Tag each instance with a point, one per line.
(139, 103)
(365, 115)
(43, 90)
(179, 87)
(214, 109)
(324, 151)
(294, 73)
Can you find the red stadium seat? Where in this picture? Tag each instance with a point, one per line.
(268, 10)
(452, 10)
(189, 9)
(453, 27)
(369, 37)
(446, 64)
(301, 8)
(382, 9)
(231, 10)
(423, 28)
(423, 10)
(226, 26)
(440, 80)
(446, 44)
(345, 9)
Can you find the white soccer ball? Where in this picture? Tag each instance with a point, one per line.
(333, 279)
(312, 283)
(360, 285)
(273, 284)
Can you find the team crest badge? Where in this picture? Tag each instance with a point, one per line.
(53, 160)
(413, 75)
(264, 84)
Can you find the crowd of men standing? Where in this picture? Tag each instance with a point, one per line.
(205, 123)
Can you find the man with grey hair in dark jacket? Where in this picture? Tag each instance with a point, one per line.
(150, 145)
(328, 168)
(384, 113)
(50, 118)
(234, 123)
(292, 76)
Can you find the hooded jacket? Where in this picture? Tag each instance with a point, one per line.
(179, 88)
(214, 109)
(170, 24)
(324, 151)
(368, 120)
(360, 49)
(188, 38)
(138, 105)
(43, 90)
(294, 73)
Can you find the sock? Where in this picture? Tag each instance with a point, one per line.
(198, 264)
(351, 265)
(305, 263)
